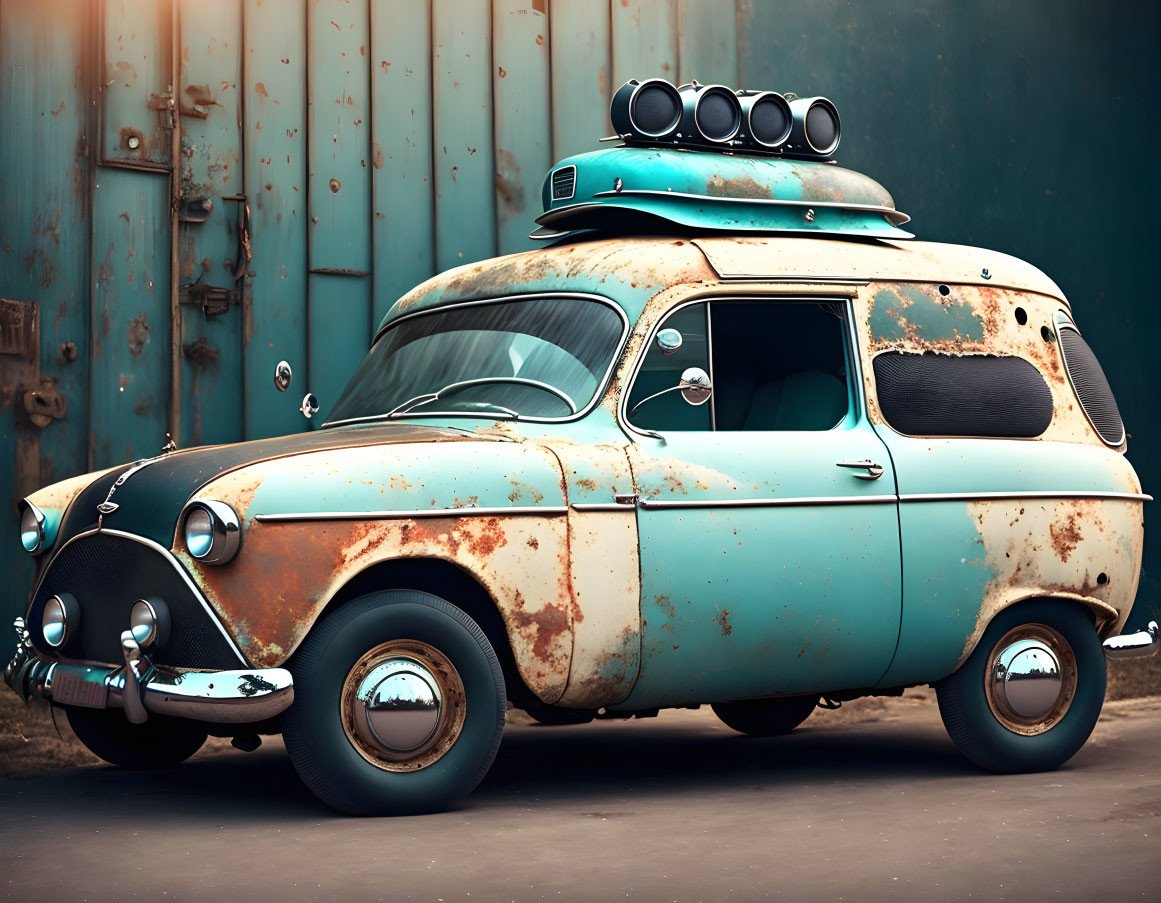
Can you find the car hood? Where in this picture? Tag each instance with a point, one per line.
(153, 493)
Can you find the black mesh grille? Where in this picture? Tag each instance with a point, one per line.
(821, 128)
(717, 115)
(656, 109)
(1091, 385)
(769, 122)
(106, 574)
(564, 183)
(977, 395)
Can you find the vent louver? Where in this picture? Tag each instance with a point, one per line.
(564, 183)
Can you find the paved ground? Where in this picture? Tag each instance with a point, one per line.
(672, 808)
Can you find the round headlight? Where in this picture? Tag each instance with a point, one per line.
(61, 619)
(212, 531)
(149, 622)
(31, 528)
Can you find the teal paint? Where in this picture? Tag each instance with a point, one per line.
(338, 337)
(581, 75)
(339, 137)
(275, 162)
(707, 43)
(44, 238)
(210, 252)
(644, 40)
(130, 316)
(522, 117)
(136, 62)
(907, 308)
(465, 169)
(715, 192)
(403, 234)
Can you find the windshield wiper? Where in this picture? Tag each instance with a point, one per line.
(426, 397)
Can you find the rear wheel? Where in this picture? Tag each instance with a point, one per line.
(1030, 694)
(160, 742)
(399, 705)
(766, 717)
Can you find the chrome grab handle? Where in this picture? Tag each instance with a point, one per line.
(873, 470)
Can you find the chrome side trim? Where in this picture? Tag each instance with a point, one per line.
(514, 511)
(1143, 644)
(174, 563)
(598, 394)
(581, 507)
(1024, 494)
(798, 501)
(893, 216)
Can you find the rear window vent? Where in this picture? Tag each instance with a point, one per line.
(1092, 388)
(564, 183)
(976, 395)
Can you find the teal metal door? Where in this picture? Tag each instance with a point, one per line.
(770, 560)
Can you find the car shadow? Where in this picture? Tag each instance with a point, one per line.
(596, 762)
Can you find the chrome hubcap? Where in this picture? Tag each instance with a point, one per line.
(1031, 679)
(403, 705)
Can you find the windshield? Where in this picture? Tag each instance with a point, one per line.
(542, 358)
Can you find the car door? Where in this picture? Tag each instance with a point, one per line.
(767, 516)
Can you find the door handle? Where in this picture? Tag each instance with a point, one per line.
(873, 470)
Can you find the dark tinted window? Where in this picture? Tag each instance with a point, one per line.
(975, 395)
(662, 370)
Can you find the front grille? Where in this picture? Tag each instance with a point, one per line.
(564, 183)
(1091, 385)
(106, 574)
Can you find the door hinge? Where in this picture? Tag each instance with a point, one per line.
(214, 300)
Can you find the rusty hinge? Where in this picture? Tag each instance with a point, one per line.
(19, 332)
(214, 300)
(162, 103)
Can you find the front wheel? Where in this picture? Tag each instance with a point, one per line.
(399, 705)
(160, 742)
(1030, 694)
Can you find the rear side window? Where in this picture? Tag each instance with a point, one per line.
(974, 395)
(1092, 388)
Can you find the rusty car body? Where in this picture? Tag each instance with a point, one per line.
(706, 515)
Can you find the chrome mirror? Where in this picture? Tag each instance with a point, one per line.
(282, 376)
(668, 341)
(695, 386)
(309, 405)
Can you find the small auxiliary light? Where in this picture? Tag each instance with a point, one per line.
(816, 130)
(648, 110)
(766, 119)
(710, 113)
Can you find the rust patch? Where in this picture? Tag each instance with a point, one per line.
(377, 156)
(201, 353)
(722, 619)
(741, 187)
(138, 333)
(509, 189)
(1066, 536)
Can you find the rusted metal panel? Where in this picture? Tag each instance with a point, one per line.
(465, 171)
(523, 117)
(582, 73)
(403, 232)
(644, 39)
(44, 238)
(130, 316)
(136, 67)
(275, 163)
(213, 249)
(707, 43)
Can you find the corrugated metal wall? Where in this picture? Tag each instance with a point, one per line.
(331, 154)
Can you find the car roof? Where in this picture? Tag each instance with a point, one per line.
(630, 271)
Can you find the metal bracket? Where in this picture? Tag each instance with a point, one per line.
(214, 300)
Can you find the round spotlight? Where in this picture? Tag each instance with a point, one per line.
(768, 118)
(32, 521)
(61, 619)
(212, 531)
(149, 621)
(717, 115)
(650, 109)
(816, 130)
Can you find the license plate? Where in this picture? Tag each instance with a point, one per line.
(68, 689)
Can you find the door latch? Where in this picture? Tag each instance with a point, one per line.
(873, 470)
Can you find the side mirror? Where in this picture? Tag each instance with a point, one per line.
(309, 405)
(695, 386)
(668, 341)
(282, 376)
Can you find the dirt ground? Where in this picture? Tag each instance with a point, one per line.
(36, 739)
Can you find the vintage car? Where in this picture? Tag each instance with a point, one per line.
(732, 437)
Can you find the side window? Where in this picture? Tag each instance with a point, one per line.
(662, 369)
(779, 365)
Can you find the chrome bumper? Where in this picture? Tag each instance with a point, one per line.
(229, 697)
(1142, 644)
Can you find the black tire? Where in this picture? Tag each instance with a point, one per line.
(326, 758)
(978, 731)
(766, 717)
(160, 742)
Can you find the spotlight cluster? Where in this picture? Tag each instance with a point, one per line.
(654, 111)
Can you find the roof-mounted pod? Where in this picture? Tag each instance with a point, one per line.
(636, 189)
